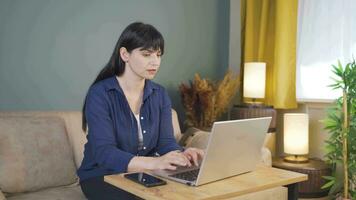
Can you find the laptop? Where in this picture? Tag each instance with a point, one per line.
(234, 147)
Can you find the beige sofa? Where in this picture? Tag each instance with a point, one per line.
(40, 152)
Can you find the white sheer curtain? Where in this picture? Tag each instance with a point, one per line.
(326, 33)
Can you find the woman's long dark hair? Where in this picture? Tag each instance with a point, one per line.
(135, 35)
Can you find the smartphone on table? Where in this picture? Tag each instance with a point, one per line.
(145, 179)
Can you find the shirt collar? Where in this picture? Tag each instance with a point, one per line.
(147, 90)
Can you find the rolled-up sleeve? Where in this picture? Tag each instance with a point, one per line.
(101, 135)
(166, 141)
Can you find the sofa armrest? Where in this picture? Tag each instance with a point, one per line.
(2, 196)
(194, 137)
(266, 157)
(188, 134)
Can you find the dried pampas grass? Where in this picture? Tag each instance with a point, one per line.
(205, 101)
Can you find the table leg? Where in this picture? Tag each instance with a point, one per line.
(293, 191)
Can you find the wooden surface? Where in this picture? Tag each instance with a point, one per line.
(260, 179)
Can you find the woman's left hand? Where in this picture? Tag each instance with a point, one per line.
(194, 155)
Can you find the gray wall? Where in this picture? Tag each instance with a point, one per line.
(235, 43)
(51, 51)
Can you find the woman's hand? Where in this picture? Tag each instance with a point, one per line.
(170, 161)
(194, 155)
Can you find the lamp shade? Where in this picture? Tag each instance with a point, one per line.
(296, 133)
(254, 80)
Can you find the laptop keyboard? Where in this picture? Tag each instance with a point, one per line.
(188, 175)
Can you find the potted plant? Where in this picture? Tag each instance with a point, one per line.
(205, 101)
(341, 125)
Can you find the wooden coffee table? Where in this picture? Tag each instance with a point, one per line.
(261, 179)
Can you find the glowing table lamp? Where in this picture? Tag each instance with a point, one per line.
(254, 81)
(296, 137)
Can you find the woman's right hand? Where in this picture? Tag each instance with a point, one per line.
(170, 161)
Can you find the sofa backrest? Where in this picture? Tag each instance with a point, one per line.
(73, 124)
(34, 153)
(72, 120)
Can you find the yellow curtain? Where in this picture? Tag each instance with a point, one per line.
(269, 31)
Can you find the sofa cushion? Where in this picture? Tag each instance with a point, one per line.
(77, 137)
(34, 154)
(2, 196)
(59, 193)
(73, 123)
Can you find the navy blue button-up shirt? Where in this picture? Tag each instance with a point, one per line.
(113, 132)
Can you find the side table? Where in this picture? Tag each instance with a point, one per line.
(315, 169)
(245, 112)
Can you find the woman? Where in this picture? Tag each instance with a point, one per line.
(129, 117)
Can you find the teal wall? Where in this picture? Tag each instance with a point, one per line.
(51, 51)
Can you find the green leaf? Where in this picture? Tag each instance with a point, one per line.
(339, 66)
(337, 71)
(330, 178)
(330, 148)
(328, 184)
(334, 85)
(347, 70)
(335, 188)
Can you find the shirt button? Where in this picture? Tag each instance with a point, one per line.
(144, 148)
(141, 117)
(144, 131)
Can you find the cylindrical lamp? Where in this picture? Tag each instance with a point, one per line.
(254, 80)
(296, 137)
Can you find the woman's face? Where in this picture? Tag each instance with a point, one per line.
(144, 63)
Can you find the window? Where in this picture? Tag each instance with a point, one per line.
(326, 33)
